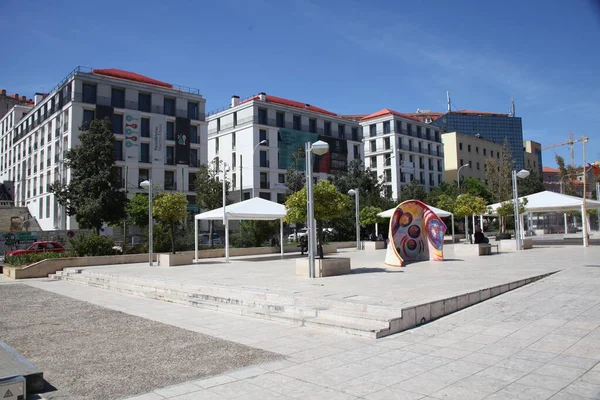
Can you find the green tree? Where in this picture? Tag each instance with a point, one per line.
(94, 194)
(507, 209)
(567, 175)
(295, 179)
(477, 188)
(209, 191)
(413, 191)
(170, 210)
(530, 185)
(370, 187)
(368, 216)
(499, 175)
(447, 189)
(137, 210)
(445, 202)
(329, 206)
(255, 233)
(467, 204)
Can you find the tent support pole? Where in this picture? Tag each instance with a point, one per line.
(195, 240)
(566, 224)
(281, 236)
(452, 216)
(226, 239)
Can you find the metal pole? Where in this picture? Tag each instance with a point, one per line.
(598, 198)
(281, 236)
(584, 205)
(195, 239)
(150, 223)
(225, 222)
(516, 208)
(356, 202)
(241, 180)
(310, 212)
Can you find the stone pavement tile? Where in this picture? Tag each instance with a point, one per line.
(520, 364)
(326, 363)
(456, 335)
(583, 389)
(234, 389)
(519, 343)
(247, 372)
(410, 336)
(409, 369)
(482, 358)
(333, 378)
(394, 393)
(571, 331)
(400, 355)
(297, 389)
(202, 394)
(439, 341)
(568, 396)
(545, 381)
(453, 392)
(206, 383)
(422, 384)
(560, 371)
(587, 325)
(388, 377)
(260, 394)
(591, 377)
(466, 345)
(534, 355)
(276, 365)
(575, 362)
(482, 384)
(352, 371)
(269, 380)
(471, 328)
(147, 396)
(379, 362)
(432, 361)
(359, 387)
(394, 344)
(553, 343)
(499, 350)
(330, 394)
(176, 390)
(581, 350)
(451, 353)
(503, 374)
(421, 348)
(517, 391)
(484, 339)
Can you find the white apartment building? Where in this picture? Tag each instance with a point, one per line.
(402, 149)
(258, 137)
(159, 127)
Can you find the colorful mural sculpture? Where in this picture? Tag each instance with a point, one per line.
(416, 234)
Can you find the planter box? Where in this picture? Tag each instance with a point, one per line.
(511, 245)
(373, 245)
(324, 267)
(171, 260)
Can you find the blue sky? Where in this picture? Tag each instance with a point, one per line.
(345, 56)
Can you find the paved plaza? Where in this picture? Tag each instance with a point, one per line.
(537, 342)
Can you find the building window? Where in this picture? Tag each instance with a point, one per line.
(327, 128)
(264, 182)
(410, 145)
(398, 125)
(233, 141)
(118, 150)
(265, 195)
(145, 127)
(491, 153)
(233, 159)
(264, 161)
(170, 180)
(280, 198)
(428, 134)
(419, 130)
(470, 164)
(262, 135)
(195, 162)
(477, 165)
(47, 206)
(297, 122)
(144, 101)
(460, 146)
(420, 147)
(437, 136)
(216, 145)
(117, 124)
(477, 149)
(373, 144)
(312, 125)
(117, 98)
(88, 116)
(192, 181)
(387, 127)
(89, 93)
(356, 151)
(387, 144)
(235, 121)
(262, 116)
(373, 162)
(469, 148)
(145, 152)
(193, 110)
(279, 119)
(341, 131)
(372, 130)
(194, 134)
(169, 104)
(143, 175)
(170, 130)
(281, 178)
(461, 162)
(485, 152)
(170, 155)
(355, 134)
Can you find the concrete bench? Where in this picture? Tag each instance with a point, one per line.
(485, 249)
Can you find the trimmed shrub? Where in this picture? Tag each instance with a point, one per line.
(31, 258)
(92, 245)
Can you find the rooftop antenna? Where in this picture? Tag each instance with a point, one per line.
(512, 107)
(448, 98)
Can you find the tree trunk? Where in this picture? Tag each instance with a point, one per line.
(210, 234)
(320, 238)
(173, 228)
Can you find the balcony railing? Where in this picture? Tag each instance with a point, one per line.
(264, 185)
(264, 164)
(194, 162)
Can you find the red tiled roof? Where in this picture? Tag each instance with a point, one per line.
(353, 117)
(551, 170)
(130, 76)
(291, 103)
(387, 111)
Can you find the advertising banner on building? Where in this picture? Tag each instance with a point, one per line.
(337, 157)
(158, 129)
(182, 141)
(290, 145)
(131, 130)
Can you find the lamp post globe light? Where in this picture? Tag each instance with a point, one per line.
(147, 184)
(521, 174)
(354, 192)
(253, 152)
(318, 148)
(466, 218)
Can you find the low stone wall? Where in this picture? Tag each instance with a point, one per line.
(324, 267)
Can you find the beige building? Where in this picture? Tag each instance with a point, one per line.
(532, 152)
(461, 149)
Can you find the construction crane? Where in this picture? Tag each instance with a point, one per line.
(569, 143)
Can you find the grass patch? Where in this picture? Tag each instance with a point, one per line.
(27, 259)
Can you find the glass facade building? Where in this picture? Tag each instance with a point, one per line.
(494, 127)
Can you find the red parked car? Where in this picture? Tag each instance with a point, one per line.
(38, 247)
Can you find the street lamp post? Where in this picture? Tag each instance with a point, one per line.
(319, 148)
(466, 218)
(521, 174)
(225, 220)
(354, 192)
(147, 184)
(254, 151)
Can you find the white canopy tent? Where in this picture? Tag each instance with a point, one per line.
(439, 212)
(255, 209)
(552, 202)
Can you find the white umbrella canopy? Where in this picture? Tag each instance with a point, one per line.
(547, 201)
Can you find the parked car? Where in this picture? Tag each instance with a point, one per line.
(204, 239)
(301, 232)
(38, 247)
